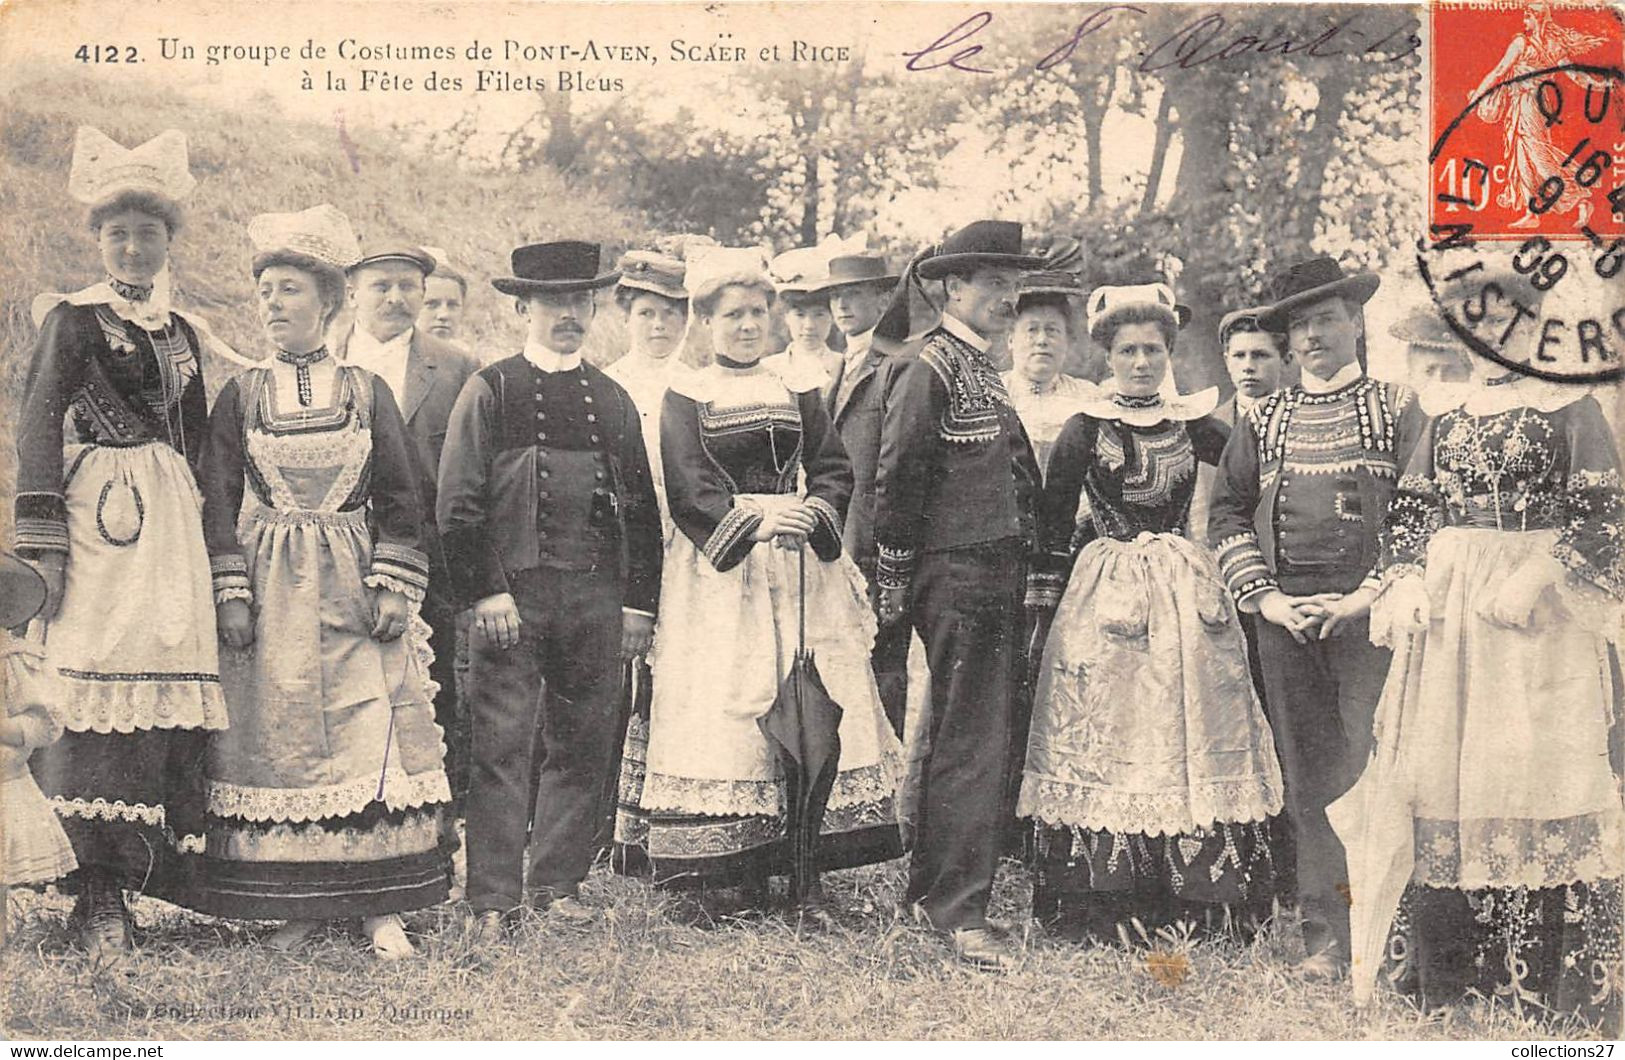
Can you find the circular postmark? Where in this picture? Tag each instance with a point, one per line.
(1554, 307)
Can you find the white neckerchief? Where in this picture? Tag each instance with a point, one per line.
(963, 332)
(1314, 384)
(1244, 404)
(387, 360)
(549, 360)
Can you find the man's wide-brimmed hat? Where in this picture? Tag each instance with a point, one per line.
(103, 169)
(980, 244)
(22, 591)
(652, 271)
(1312, 281)
(322, 233)
(557, 268)
(851, 269)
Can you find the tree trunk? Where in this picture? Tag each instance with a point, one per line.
(1159, 152)
(562, 144)
(809, 199)
(1095, 106)
(1202, 195)
(1318, 145)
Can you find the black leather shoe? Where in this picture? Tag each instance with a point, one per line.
(985, 948)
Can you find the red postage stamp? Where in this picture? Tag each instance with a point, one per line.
(1528, 119)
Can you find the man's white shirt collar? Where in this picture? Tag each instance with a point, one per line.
(550, 361)
(362, 341)
(963, 332)
(858, 346)
(387, 360)
(1313, 384)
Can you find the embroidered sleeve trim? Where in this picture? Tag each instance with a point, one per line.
(828, 518)
(388, 583)
(1044, 589)
(1242, 565)
(894, 569)
(42, 535)
(734, 528)
(400, 569)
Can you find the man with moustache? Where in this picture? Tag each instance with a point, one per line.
(1301, 494)
(860, 287)
(425, 374)
(551, 527)
(955, 496)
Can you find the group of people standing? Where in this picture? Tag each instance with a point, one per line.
(252, 608)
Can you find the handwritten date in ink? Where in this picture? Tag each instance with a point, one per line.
(1209, 38)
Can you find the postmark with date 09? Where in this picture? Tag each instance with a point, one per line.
(1528, 171)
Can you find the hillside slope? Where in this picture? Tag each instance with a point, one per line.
(248, 161)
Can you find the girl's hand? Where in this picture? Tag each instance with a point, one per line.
(389, 614)
(795, 523)
(235, 622)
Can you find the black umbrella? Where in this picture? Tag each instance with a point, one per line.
(803, 726)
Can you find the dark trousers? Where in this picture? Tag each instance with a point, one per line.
(889, 661)
(967, 607)
(1322, 696)
(570, 636)
(449, 713)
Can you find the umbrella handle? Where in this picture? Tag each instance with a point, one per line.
(389, 739)
(801, 600)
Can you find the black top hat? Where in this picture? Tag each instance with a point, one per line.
(22, 591)
(412, 255)
(1312, 281)
(568, 265)
(859, 268)
(980, 244)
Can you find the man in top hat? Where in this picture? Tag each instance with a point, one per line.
(859, 286)
(955, 495)
(1043, 395)
(425, 374)
(551, 528)
(1302, 490)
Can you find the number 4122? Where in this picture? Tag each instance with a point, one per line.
(107, 53)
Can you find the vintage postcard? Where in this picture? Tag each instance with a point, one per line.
(882, 520)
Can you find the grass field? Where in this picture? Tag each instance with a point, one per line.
(660, 965)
